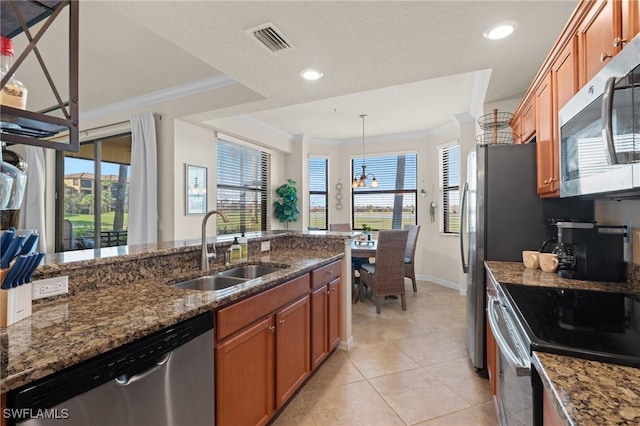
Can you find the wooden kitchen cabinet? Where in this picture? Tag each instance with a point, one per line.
(597, 34)
(292, 349)
(325, 312)
(245, 376)
(261, 353)
(546, 142)
(492, 349)
(550, 416)
(528, 121)
(516, 129)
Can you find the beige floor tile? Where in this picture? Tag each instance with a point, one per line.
(335, 371)
(428, 349)
(489, 410)
(297, 413)
(350, 405)
(460, 376)
(374, 361)
(470, 417)
(417, 395)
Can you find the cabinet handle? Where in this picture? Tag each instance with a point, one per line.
(272, 329)
(328, 292)
(546, 181)
(331, 272)
(618, 41)
(282, 322)
(333, 289)
(604, 57)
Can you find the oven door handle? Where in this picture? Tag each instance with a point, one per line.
(522, 367)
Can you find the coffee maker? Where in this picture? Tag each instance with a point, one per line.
(591, 252)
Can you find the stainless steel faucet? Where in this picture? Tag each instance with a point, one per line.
(205, 255)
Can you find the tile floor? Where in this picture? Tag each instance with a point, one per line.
(406, 368)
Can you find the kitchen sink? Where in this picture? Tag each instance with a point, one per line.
(227, 278)
(209, 283)
(249, 271)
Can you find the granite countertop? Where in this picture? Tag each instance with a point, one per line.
(584, 392)
(75, 328)
(588, 392)
(516, 273)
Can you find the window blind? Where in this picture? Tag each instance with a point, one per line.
(318, 194)
(393, 203)
(242, 184)
(450, 183)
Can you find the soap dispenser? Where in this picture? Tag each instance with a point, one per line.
(244, 255)
(235, 250)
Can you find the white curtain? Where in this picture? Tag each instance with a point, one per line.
(32, 212)
(143, 193)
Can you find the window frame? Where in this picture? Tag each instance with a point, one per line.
(325, 192)
(265, 158)
(369, 190)
(94, 188)
(446, 188)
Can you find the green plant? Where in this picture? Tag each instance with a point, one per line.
(287, 210)
(366, 228)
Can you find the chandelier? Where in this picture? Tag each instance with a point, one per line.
(360, 182)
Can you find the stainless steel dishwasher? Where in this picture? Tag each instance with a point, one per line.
(165, 378)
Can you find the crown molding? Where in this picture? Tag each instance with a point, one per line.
(175, 92)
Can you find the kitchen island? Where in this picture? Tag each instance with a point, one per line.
(95, 317)
(579, 391)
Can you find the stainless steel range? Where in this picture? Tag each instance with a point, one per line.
(587, 324)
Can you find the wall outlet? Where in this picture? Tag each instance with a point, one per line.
(627, 245)
(50, 287)
(265, 246)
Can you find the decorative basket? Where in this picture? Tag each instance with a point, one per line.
(498, 138)
(495, 120)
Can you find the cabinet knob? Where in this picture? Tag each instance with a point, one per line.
(604, 57)
(333, 289)
(618, 41)
(282, 321)
(328, 292)
(546, 181)
(331, 272)
(272, 329)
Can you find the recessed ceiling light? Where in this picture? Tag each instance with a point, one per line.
(311, 74)
(500, 30)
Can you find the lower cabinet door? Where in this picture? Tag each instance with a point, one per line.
(292, 349)
(319, 325)
(245, 376)
(334, 314)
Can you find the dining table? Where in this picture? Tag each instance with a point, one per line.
(360, 250)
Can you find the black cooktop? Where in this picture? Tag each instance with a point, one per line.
(587, 324)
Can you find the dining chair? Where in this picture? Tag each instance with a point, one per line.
(410, 253)
(385, 277)
(340, 227)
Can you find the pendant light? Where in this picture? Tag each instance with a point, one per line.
(362, 180)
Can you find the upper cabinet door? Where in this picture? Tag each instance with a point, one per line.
(597, 37)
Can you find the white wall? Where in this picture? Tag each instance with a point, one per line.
(617, 212)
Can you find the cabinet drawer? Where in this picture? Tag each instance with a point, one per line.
(326, 274)
(235, 317)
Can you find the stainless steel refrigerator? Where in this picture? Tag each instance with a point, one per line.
(502, 215)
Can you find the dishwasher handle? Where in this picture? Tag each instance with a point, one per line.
(126, 379)
(521, 366)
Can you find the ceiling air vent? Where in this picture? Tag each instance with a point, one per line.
(270, 37)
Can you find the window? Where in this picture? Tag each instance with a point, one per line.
(318, 198)
(243, 182)
(93, 188)
(449, 157)
(393, 203)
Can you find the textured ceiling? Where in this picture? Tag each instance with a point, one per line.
(410, 65)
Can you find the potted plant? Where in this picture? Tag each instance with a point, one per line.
(287, 210)
(366, 231)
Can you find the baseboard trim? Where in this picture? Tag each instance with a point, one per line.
(346, 345)
(449, 284)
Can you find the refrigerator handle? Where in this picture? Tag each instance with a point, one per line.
(463, 210)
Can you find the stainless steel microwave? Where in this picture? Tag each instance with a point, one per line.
(600, 132)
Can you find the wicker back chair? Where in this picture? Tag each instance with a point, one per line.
(386, 276)
(409, 254)
(340, 227)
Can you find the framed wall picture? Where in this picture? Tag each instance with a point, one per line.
(196, 189)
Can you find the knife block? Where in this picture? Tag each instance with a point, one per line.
(15, 303)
